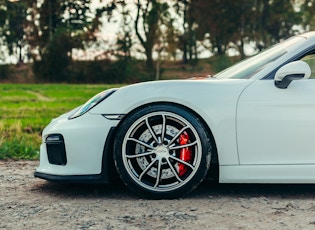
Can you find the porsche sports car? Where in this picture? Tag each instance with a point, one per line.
(251, 123)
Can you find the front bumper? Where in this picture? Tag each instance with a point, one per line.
(77, 155)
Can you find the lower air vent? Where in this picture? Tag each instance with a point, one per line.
(56, 149)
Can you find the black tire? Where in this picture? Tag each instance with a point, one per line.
(162, 151)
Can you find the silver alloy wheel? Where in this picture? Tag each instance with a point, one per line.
(151, 151)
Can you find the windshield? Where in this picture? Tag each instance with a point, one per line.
(249, 67)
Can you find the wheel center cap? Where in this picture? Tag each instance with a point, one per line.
(162, 151)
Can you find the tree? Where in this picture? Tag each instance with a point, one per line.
(149, 18)
(74, 17)
(184, 10)
(308, 7)
(147, 24)
(124, 37)
(13, 27)
(2, 23)
(187, 39)
(216, 21)
(63, 26)
(244, 21)
(55, 59)
(124, 67)
(233, 23)
(282, 17)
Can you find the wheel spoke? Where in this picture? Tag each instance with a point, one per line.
(147, 169)
(140, 155)
(183, 146)
(163, 128)
(151, 130)
(183, 162)
(140, 142)
(173, 170)
(158, 174)
(177, 135)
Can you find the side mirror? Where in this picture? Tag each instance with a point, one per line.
(292, 71)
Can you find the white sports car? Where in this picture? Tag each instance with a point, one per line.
(251, 123)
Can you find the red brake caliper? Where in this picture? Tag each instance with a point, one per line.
(185, 153)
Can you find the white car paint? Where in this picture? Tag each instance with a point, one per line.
(263, 134)
(280, 122)
(84, 147)
(214, 105)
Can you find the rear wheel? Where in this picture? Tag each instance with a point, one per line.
(162, 151)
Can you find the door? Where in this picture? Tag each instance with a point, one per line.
(277, 126)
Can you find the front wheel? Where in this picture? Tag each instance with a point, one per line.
(162, 151)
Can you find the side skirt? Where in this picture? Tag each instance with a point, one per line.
(297, 174)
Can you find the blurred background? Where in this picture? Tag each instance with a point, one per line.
(115, 41)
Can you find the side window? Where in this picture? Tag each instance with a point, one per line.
(310, 60)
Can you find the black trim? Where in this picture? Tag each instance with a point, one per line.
(93, 179)
(287, 80)
(56, 150)
(108, 165)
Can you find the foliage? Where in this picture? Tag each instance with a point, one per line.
(281, 20)
(13, 26)
(55, 61)
(149, 15)
(128, 71)
(47, 32)
(27, 109)
(229, 24)
(72, 17)
(4, 72)
(187, 40)
(124, 39)
(64, 25)
(308, 9)
(222, 62)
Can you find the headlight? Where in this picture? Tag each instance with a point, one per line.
(92, 102)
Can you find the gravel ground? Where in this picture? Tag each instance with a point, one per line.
(30, 203)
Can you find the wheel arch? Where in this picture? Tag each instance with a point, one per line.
(108, 160)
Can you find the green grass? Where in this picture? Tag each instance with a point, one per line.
(26, 109)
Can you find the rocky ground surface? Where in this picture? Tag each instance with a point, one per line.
(30, 203)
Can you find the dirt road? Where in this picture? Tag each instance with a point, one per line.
(30, 203)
